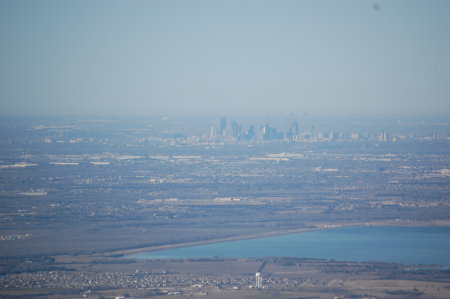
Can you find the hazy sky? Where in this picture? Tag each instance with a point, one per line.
(222, 57)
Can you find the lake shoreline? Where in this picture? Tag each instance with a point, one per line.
(132, 251)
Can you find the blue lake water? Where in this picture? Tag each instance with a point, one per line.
(408, 245)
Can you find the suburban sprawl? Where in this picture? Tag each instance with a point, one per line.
(80, 194)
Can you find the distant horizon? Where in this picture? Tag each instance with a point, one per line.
(348, 116)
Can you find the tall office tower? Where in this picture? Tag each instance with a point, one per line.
(294, 128)
(293, 132)
(267, 133)
(336, 135)
(384, 136)
(251, 132)
(222, 126)
(213, 133)
(264, 131)
(236, 129)
(320, 136)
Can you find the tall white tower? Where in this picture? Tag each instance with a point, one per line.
(258, 282)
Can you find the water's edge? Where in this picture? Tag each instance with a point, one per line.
(408, 245)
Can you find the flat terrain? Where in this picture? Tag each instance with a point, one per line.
(75, 193)
(73, 187)
(226, 278)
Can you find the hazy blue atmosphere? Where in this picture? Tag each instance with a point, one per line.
(224, 57)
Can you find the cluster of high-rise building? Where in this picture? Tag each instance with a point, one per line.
(233, 131)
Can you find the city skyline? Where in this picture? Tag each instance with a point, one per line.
(224, 57)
